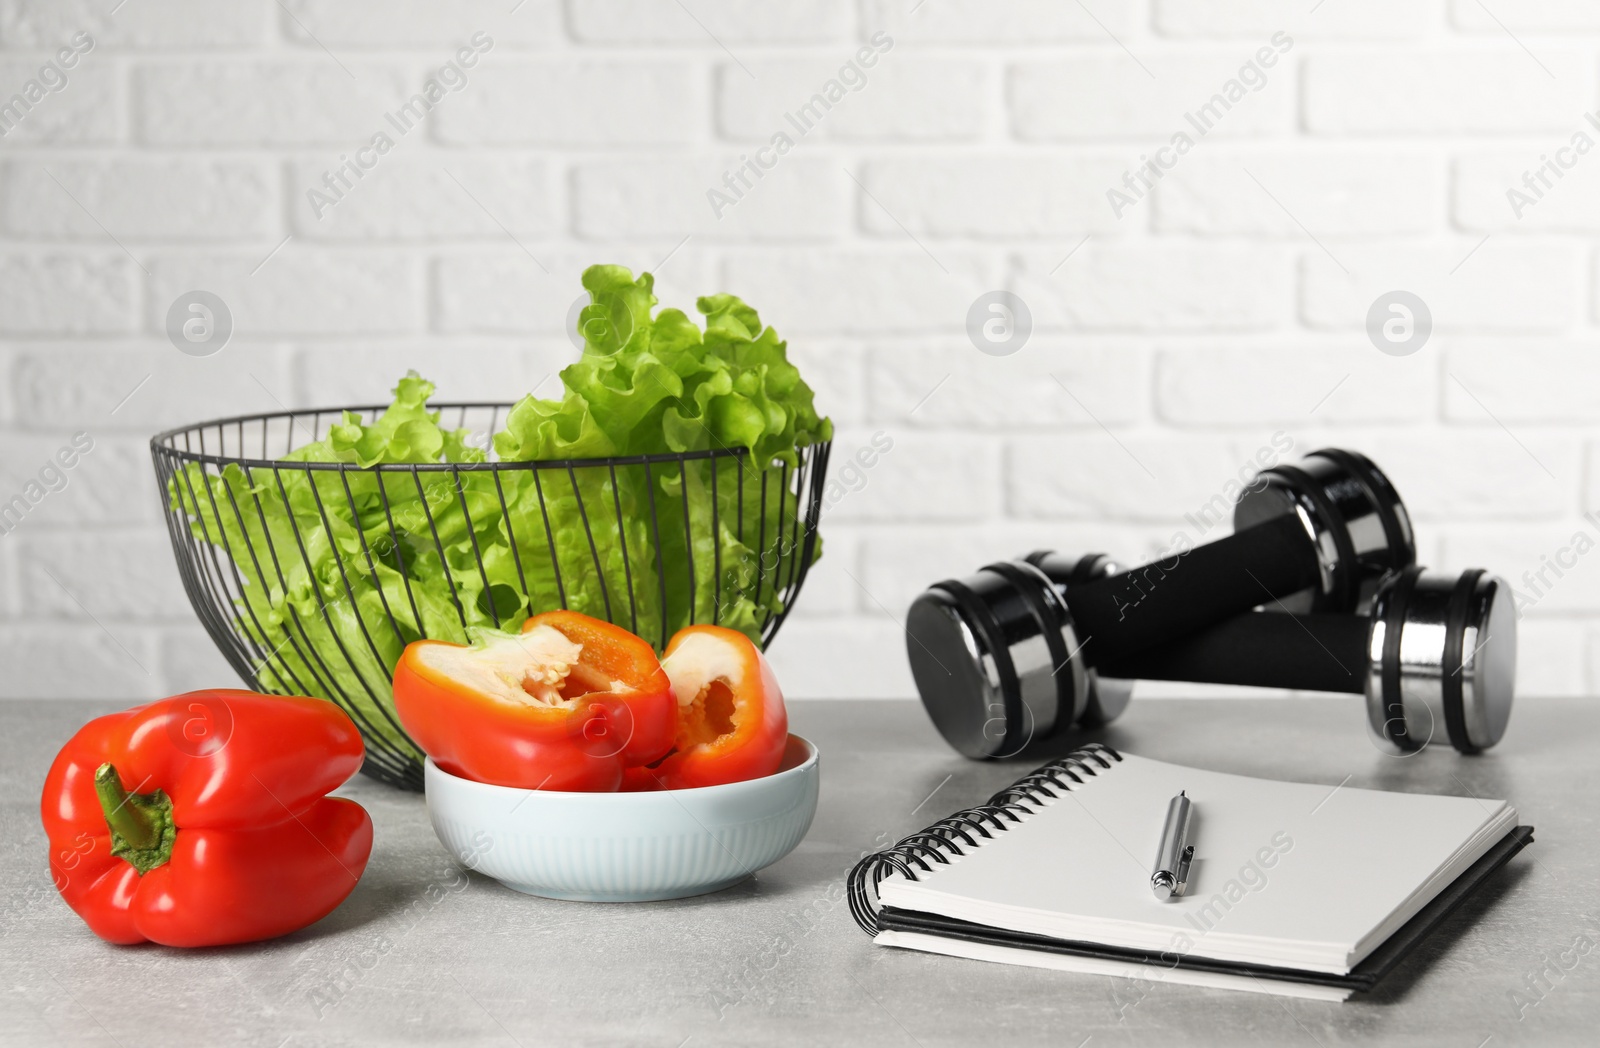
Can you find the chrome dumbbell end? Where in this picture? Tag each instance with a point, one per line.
(1353, 515)
(1104, 699)
(1441, 660)
(992, 657)
(996, 656)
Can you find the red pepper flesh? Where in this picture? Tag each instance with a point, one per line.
(570, 703)
(732, 724)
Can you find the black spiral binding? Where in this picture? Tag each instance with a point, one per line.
(949, 835)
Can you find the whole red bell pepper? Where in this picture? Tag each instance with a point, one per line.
(201, 820)
(567, 704)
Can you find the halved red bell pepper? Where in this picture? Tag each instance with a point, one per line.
(732, 724)
(567, 704)
(201, 820)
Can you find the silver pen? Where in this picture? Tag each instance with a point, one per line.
(1171, 875)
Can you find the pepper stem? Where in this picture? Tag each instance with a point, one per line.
(141, 824)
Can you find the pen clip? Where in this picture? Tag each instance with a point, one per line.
(1182, 872)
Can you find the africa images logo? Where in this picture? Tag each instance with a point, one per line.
(338, 181)
(1252, 77)
(51, 78)
(852, 76)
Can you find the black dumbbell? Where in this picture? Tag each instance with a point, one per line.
(1437, 653)
(1005, 656)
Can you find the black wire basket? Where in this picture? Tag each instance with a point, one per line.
(312, 577)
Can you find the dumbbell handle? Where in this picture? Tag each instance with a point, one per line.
(1122, 614)
(1318, 652)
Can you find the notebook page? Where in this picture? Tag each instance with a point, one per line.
(1286, 874)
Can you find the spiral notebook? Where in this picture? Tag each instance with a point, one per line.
(1297, 889)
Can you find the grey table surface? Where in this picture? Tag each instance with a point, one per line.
(425, 953)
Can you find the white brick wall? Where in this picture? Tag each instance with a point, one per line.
(974, 154)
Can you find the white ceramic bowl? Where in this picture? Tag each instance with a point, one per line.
(626, 847)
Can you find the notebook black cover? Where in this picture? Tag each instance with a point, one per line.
(1361, 978)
